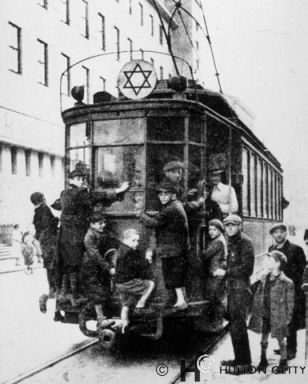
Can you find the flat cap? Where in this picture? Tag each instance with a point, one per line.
(173, 165)
(218, 224)
(166, 186)
(233, 219)
(278, 226)
(76, 173)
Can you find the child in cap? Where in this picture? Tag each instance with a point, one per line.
(172, 240)
(215, 257)
(28, 251)
(96, 271)
(273, 307)
(134, 279)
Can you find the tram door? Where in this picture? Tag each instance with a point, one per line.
(131, 141)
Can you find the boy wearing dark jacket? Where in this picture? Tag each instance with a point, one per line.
(273, 307)
(172, 240)
(96, 272)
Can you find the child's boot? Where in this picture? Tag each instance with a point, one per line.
(263, 361)
(283, 363)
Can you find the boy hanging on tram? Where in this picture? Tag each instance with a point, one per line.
(75, 202)
(172, 240)
(96, 271)
(134, 279)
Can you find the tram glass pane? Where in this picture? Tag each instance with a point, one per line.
(113, 166)
(195, 130)
(79, 135)
(194, 166)
(265, 191)
(165, 128)
(269, 181)
(259, 188)
(157, 157)
(119, 132)
(245, 170)
(79, 156)
(253, 186)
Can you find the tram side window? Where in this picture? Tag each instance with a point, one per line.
(259, 188)
(79, 135)
(269, 196)
(245, 169)
(253, 186)
(194, 166)
(113, 166)
(157, 157)
(265, 186)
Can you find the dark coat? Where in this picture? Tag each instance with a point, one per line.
(41, 219)
(76, 207)
(96, 245)
(172, 237)
(49, 243)
(240, 260)
(131, 264)
(281, 308)
(214, 255)
(295, 271)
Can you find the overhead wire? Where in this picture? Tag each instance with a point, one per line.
(206, 32)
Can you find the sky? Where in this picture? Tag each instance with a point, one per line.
(261, 51)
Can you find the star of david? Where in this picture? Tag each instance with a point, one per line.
(140, 80)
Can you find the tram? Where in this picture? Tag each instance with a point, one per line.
(132, 140)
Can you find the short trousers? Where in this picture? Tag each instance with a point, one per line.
(174, 271)
(132, 290)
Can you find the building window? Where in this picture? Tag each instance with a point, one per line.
(152, 25)
(28, 162)
(41, 164)
(14, 160)
(103, 83)
(141, 13)
(152, 61)
(65, 11)
(66, 79)
(117, 40)
(43, 62)
(161, 73)
(161, 35)
(52, 165)
(130, 47)
(85, 18)
(43, 3)
(86, 77)
(142, 54)
(130, 8)
(197, 64)
(102, 31)
(15, 49)
(197, 26)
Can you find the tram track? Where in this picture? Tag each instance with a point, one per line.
(91, 343)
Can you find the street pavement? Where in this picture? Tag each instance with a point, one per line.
(29, 338)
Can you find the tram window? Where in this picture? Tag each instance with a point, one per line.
(117, 132)
(245, 169)
(195, 127)
(113, 165)
(78, 135)
(194, 166)
(265, 191)
(79, 155)
(259, 188)
(157, 157)
(165, 128)
(269, 181)
(253, 186)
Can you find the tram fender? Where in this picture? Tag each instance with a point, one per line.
(83, 324)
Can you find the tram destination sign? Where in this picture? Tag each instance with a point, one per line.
(137, 79)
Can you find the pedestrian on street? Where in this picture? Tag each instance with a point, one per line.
(28, 251)
(296, 262)
(240, 263)
(17, 244)
(272, 307)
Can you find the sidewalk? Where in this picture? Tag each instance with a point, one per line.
(8, 266)
(224, 351)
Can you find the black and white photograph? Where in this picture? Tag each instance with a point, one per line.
(153, 191)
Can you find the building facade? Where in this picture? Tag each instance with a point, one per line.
(40, 39)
